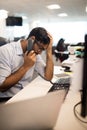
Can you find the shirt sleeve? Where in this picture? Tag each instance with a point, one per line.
(40, 65)
(5, 69)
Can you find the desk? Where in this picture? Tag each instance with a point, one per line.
(37, 87)
(66, 119)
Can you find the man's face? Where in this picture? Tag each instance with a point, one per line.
(39, 47)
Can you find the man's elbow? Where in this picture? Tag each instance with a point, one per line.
(49, 77)
(3, 87)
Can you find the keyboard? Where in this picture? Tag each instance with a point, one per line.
(4, 99)
(61, 83)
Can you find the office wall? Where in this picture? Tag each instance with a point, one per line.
(9, 32)
(72, 32)
(2, 28)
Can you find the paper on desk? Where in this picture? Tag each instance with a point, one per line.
(58, 70)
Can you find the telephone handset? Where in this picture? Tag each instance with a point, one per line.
(30, 45)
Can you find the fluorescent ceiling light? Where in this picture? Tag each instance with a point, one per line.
(62, 15)
(3, 14)
(53, 6)
(86, 9)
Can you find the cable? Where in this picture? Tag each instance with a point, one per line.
(76, 113)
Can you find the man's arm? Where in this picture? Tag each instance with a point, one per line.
(12, 79)
(49, 60)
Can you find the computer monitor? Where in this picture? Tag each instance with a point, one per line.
(84, 82)
(13, 21)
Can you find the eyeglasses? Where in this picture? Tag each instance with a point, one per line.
(40, 46)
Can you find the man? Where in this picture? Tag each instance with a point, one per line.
(17, 65)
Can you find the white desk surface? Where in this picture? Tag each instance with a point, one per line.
(66, 119)
(37, 87)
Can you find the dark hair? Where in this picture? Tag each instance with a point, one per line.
(40, 35)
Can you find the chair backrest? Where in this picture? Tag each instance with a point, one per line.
(61, 45)
(3, 41)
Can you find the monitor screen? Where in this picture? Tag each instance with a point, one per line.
(14, 21)
(84, 82)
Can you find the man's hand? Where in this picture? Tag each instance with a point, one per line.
(11, 80)
(49, 60)
(50, 44)
(29, 59)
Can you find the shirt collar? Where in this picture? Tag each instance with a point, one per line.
(18, 48)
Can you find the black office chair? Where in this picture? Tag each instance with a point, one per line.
(3, 41)
(61, 52)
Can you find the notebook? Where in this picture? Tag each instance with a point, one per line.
(36, 113)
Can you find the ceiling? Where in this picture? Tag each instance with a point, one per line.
(36, 9)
